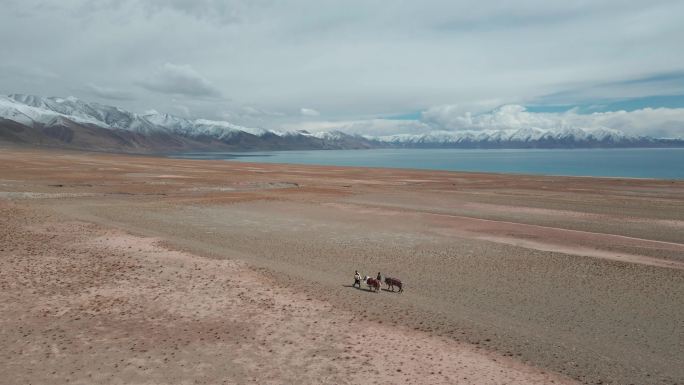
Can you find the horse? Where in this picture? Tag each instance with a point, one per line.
(392, 282)
(372, 283)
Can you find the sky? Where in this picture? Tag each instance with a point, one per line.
(361, 66)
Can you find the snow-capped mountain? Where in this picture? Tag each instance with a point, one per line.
(39, 110)
(514, 138)
(74, 123)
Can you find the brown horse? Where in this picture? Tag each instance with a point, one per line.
(392, 282)
(373, 284)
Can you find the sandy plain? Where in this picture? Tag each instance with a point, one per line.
(124, 269)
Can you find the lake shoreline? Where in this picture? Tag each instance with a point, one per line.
(662, 163)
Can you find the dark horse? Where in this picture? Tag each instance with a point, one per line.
(392, 282)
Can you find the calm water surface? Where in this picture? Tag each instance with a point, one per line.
(662, 163)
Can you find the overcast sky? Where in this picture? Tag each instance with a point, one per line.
(364, 66)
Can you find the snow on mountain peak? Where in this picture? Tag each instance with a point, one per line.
(524, 134)
(29, 110)
(217, 125)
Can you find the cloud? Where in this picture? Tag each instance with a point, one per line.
(221, 11)
(25, 69)
(353, 59)
(659, 84)
(180, 80)
(655, 122)
(512, 116)
(249, 115)
(372, 127)
(108, 93)
(658, 122)
(255, 111)
(182, 110)
(308, 112)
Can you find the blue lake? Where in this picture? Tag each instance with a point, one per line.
(661, 163)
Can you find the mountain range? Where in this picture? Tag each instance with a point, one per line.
(77, 124)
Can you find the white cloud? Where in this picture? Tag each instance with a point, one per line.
(180, 80)
(248, 115)
(108, 92)
(182, 110)
(373, 127)
(656, 122)
(505, 117)
(222, 11)
(660, 122)
(309, 112)
(27, 70)
(352, 59)
(257, 112)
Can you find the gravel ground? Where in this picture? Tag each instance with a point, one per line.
(579, 276)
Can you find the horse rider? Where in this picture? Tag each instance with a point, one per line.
(357, 279)
(379, 277)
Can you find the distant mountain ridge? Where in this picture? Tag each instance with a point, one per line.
(529, 138)
(73, 123)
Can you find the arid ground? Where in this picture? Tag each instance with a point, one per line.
(145, 270)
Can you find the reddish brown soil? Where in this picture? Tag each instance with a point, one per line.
(121, 269)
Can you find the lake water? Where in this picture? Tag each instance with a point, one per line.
(662, 163)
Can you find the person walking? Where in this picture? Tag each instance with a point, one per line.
(357, 279)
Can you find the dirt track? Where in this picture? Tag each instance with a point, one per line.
(580, 276)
